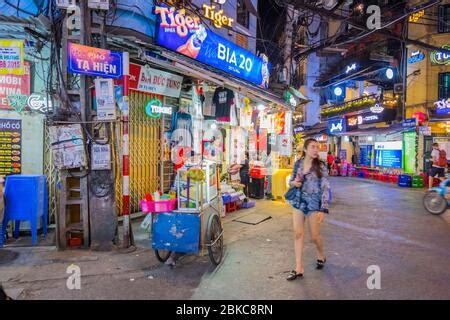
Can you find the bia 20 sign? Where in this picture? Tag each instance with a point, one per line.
(185, 34)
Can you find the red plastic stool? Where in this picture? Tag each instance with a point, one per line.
(231, 206)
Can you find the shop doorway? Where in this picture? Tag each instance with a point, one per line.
(145, 152)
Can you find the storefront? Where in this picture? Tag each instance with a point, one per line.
(207, 102)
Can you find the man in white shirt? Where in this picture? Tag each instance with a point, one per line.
(436, 170)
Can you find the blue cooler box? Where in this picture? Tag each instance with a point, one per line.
(404, 181)
(179, 232)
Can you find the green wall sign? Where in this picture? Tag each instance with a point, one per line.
(438, 57)
(409, 152)
(154, 108)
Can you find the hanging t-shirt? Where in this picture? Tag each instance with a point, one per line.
(223, 99)
(209, 109)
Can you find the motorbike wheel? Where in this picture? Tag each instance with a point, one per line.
(434, 202)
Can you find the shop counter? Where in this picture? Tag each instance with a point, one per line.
(279, 184)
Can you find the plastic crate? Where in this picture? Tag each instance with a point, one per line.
(418, 182)
(158, 206)
(226, 198)
(405, 181)
(258, 172)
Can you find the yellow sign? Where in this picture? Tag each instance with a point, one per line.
(12, 57)
(416, 16)
(218, 17)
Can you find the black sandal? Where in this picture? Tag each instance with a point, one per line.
(294, 275)
(321, 263)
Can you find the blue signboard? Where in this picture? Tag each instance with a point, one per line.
(443, 106)
(94, 61)
(416, 56)
(185, 34)
(366, 155)
(389, 154)
(410, 122)
(336, 126)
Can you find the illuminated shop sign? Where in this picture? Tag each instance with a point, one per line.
(336, 126)
(186, 35)
(438, 57)
(415, 17)
(351, 67)
(416, 56)
(154, 109)
(389, 154)
(353, 122)
(377, 108)
(443, 106)
(217, 17)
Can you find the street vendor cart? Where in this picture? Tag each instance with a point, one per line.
(195, 226)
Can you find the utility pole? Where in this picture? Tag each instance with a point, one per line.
(288, 31)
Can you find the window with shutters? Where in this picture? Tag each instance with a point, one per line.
(444, 19)
(243, 15)
(444, 85)
(242, 40)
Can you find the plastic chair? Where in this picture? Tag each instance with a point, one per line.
(25, 200)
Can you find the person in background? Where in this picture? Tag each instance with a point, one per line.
(312, 201)
(269, 171)
(244, 173)
(330, 160)
(439, 164)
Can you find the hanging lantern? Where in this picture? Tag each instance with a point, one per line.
(420, 116)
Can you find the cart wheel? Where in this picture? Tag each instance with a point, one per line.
(214, 236)
(162, 255)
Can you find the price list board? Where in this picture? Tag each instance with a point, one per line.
(10, 146)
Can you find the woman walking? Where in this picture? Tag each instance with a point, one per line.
(310, 178)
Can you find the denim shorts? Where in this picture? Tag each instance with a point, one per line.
(309, 203)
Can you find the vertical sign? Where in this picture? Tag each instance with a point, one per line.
(12, 85)
(11, 57)
(10, 146)
(409, 151)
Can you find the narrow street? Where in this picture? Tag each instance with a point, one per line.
(370, 224)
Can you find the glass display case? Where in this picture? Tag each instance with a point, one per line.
(194, 195)
(212, 183)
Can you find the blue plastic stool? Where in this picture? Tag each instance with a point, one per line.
(25, 200)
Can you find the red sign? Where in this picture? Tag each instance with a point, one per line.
(11, 84)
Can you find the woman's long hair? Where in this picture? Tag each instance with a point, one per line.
(316, 163)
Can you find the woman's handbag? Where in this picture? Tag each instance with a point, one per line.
(291, 193)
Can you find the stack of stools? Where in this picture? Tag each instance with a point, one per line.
(404, 181)
(230, 205)
(394, 178)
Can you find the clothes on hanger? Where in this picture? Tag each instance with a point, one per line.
(223, 99)
(209, 109)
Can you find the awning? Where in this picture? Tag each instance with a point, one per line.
(297, 94)
(362, 74)
(395, 128)
(318, 128)
(196, 69)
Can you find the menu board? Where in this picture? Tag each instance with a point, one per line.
(10, 146)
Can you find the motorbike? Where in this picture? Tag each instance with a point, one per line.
(435, 200)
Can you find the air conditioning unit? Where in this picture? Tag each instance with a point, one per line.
(398, 88)
(99, 4)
